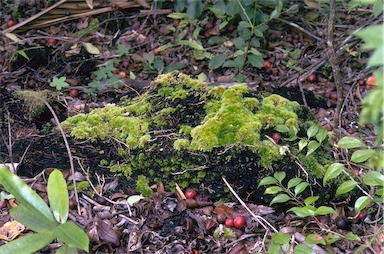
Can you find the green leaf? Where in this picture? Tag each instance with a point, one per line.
(59, 83)
(173, 67)
(314, 239)
(303, 211)
(267, 180)
(256, 60)
(302, 143)
(274, 248)
(361, 203)
(321, 134)
(311, 132)
(65, 249)
(359, 156)
(346, 187)
(279, 176)
(37, 223)
(331, 238)
(133, 199)
(122, 50)
(282, 128)
(72, 235)
(333, 171)
(239, 43)
(25, 195)
(58, 196)
(303, 249)
(350, 142)
(281, 198)
(352, 237)
(238, 62)
(28, 244)
(293, 182)
(191, 43)
(323, 210)
(372, 36)
(300, 188)
(373, 178)
(194, 9)
(177, 15)
(281, 238)
(312, 146)
(273, 190)
(310, 200)
(91, 48)
(217, 61)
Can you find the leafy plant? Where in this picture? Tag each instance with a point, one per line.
(59, 83)
(48, 222)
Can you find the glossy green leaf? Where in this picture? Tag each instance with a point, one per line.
(267, 181)
(312, 146)
(282, 128)
(373, 178)
(333, 171)
(349, 142)
(352, 237)
(361, 203)
(58, 196)
(27, 244)
(359, 156)
(323, 210)
(310, 200)
(279, 176)
(314, 239)
(331, 238)
(321, 134)
(293, 182)
(217, 61)
(311, 132)
(25, 195)
(36, 223)
(281, 238)
(303, 211)
(281, 198)
(346, 187)
(300, 188)
(302, 143)
(72, 235)
(65, 249)
(273, 190)
(303, 249)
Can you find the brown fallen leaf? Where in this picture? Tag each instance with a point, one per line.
(10, 230)
(108, 233)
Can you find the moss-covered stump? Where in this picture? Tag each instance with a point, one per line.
(181, 131)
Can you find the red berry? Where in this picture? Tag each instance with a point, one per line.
(51, 41)
(333, 95)
(209, 26)
(229, 222)
(239, 221)
(123, 74)
(74, 93)
(190, 193)
(10, 23)
(312, 78)
(276, 137)
(362, 215)
(267, 64)
(371, 80)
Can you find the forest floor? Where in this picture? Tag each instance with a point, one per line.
(297, 65)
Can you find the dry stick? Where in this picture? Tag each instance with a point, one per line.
(334, 63)
(258, 218)
(68, 151)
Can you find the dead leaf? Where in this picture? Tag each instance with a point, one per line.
(91, 48)
(107, 233)
(10, 230)
(223, 209)
(311, 4)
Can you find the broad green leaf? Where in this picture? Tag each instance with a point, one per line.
(273, 190)
(256, 60)
(217, 61)
(25, 195)
(350, 142)
(279, 176)
(58, 196)
(333, 171)
(282, 128)
(173, 67)
(303, 249)
(346, 187)
(302, 143)
(300, 188)
(281, 198)
(274, 248)
(65, 249)
(380, 192)
(72, 235)
(372, 36)
(359, 156)
(373, 178)
(238, 62)
(194, 9)
(281, 238)
(244, 24)
(239, 43)
(352, 237)
(202, 77)
(312, 146)
(133, 199)
(314, 239)
(158, 64)
(361, 203)
(293, 182)
(331, 238)
(91, 48)
(267, 181)
(311, 132)
(310, 200)
(37, 223)
(28, 244)
(303, 211)
(321, 134)
(323, 210)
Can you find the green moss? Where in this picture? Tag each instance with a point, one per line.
(268, 153)
(34, 100)
(181, 144)
(142, 186)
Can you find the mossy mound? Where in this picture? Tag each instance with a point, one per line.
(182, 131)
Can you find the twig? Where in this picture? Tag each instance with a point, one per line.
(258, 218)
(301, 29)
(334, 63)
